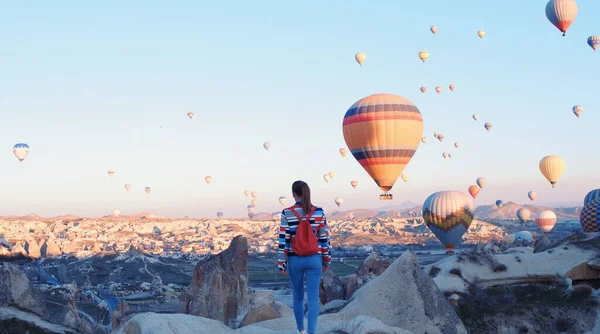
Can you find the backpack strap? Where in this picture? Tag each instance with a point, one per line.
(309, 216)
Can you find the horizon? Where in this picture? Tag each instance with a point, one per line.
(92, 90)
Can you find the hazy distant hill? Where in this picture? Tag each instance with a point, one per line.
(509, 210)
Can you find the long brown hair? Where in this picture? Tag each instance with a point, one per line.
(301, 189)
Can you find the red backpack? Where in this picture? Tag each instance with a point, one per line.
(305, 242)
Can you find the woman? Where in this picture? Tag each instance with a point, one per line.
(304, 249)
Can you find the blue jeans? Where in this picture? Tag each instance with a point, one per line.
(297, 267)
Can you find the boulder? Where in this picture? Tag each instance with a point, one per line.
(262, 297)
(404, 296)
(331, 288)
(267, 312)
(16, 290)
(155, 323)
(219, 288)
(333, 306)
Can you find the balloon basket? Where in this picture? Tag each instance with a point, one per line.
(385, 197)
(449, 252)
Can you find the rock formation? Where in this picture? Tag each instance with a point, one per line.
(16, 290)
(405, 296)
(331, 288)
(219, 288)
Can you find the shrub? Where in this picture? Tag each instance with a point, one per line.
(434, 271)
(523, 330)
(581, 291)
(564, 325)
(456, 272)
(499, 268)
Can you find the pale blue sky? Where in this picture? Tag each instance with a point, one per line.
(88, 85)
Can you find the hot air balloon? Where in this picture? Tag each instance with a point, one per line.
(438, 89)
(561, 13)
(433, 29)
(423, 89)
(552, 167)
(588, 218)
(423, 55)
(481, 182)
(360, 58)
(452, 87)
(404, 177)
(190, 115)
(450, 155)
(147, 190)
(445, 155)
(116, 213)
(499, 203)
(532, 195)
(383, 132)
(111, 172)
(343, 152)
(523, 214)
(591, 196)
(266, 145)
(350, 216)
(354, 184)
(339, 201)
(331, 174)
(448, 214)
(593, 42)
(282, 200)
(208, 179)
(436, 134)
(424, 140)
(488, 126)
(457, 144)
(219, 215)
(326, 177)
(475, 116)
(21, 151)
(474, 191)
(440, 137)
(524, 235)
(546, 221)
(250, 208)
(254, 202)
(254, 194)
(577, 110)
(246, 192)
(481, 33)
(251, 215)
(128, 187)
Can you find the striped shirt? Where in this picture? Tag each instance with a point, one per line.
(287, 233)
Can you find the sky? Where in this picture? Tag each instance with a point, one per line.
(88, 86)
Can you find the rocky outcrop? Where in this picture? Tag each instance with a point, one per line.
(33, 249)
(267, 312)
(73, 320)
(542, 244)
(219, 288)
(372, 267)
(13, 320)
(405, 296)
(50, 249)
(153, 323)
(16, 290)
(331, 288)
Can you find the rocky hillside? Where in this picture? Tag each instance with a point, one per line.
(83, 237)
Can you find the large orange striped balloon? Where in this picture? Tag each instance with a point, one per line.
(383, 131)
